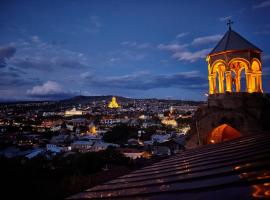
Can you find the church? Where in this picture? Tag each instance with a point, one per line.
(233, 59)
(236, 105)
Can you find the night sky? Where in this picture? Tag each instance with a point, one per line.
(61, 48)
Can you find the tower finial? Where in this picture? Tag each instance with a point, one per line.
(229, 23)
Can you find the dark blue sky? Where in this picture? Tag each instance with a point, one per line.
(52, 49)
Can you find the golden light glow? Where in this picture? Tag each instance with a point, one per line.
(73, 112)
(261, 191)
(226, 75)
(113, 103)
(222, 133)
(169, 122)
(92, 130)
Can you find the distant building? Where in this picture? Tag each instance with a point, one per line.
(134, 153)
(113, 103)
(73, 112)
(169, 122)
(81, 145)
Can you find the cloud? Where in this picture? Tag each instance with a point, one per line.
(206, 39)
(146, 81)
(6, 52)
(114, 59)
(94, 25)
(136, 45)
(186, 52)
(172, 47)
(223, 19)
(191, 56)
(180, 35)
(40, 55)
(35, 39)
(12, 80)
(263, 4)
(49, 89)
(85, 75)
(95, 21)
(182, 53)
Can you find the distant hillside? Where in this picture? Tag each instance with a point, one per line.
(86, 99)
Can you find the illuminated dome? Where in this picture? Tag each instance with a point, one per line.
(223, 133)
(113, 103)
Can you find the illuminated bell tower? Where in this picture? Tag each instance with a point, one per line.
(233, 55)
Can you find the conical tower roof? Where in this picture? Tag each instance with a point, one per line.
(233, 41)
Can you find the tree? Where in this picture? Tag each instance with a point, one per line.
(120, 134)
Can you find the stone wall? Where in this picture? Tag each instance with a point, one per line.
(248, 113)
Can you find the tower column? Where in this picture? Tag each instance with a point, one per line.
(248, 82)
(237, 82)
(221, 82)
(211, 84)
(215, 83)
(259, 82)
(253, 83)
(228, 81)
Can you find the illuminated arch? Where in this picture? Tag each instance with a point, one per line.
(237, 65)
(257, 64)
(222, 133)
(256, 76)
(239, 60)
(219, 61)
(217, 71)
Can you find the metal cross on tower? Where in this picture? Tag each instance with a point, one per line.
(229, 23)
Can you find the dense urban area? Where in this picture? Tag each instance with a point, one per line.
(58, 148)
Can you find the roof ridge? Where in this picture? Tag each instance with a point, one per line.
(246, 40)
(218, 43)
(233, 41)
(228, 38)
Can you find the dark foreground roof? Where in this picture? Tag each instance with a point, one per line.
(237, 169)
(233, 41)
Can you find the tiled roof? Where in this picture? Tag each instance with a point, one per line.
(229, 170)
(233, 41)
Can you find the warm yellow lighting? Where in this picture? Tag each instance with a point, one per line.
(113, 103)
(261, 191)
(169, 122)
(226, 76)
(73, 112)
(92, 130)
(223, 133)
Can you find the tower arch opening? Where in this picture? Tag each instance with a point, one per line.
(222, 133)
(239, 67)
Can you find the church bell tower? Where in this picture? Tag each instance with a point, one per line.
(234, 58)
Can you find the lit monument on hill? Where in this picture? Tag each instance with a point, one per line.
(113, 103)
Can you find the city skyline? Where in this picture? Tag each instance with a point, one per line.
(56, 50)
